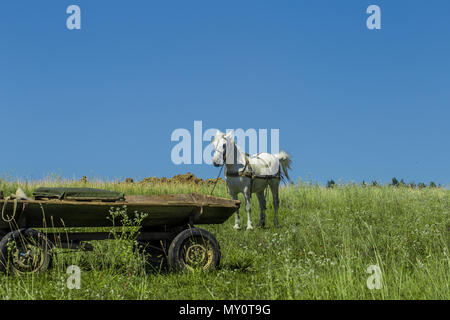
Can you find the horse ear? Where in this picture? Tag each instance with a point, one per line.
(229, 135)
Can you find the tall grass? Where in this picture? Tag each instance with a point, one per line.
(327, 240)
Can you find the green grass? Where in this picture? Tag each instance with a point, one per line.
(327, 240)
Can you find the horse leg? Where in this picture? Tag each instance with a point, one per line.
(262, 208)
(248, 205)
(274, 186)
(237, 223)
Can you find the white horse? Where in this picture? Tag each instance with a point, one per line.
(250, 174)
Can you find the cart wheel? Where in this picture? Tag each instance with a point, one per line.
(24, 251)
(194, 249)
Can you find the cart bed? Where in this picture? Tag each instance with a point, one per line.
(169, 210)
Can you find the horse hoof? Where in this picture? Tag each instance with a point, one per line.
(250, 228)
(236, 227)
(261, 225)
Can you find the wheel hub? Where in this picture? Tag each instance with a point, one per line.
(196, 255)
(28, 259)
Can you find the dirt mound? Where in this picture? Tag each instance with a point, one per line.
(186, 178)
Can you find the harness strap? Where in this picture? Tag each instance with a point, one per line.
(252, 175)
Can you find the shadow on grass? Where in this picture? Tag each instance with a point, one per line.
(152, 266)
(241, 266)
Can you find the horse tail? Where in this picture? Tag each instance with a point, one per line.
(285, 161)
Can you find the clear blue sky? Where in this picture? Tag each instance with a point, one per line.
(350, 103)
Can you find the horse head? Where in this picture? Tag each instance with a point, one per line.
(221, 143)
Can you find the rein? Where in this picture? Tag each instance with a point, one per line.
(217, 179)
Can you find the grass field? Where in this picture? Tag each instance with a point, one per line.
(327, 240)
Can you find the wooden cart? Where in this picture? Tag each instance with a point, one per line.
(167, 233)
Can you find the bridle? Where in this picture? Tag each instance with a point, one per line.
(224, 150)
